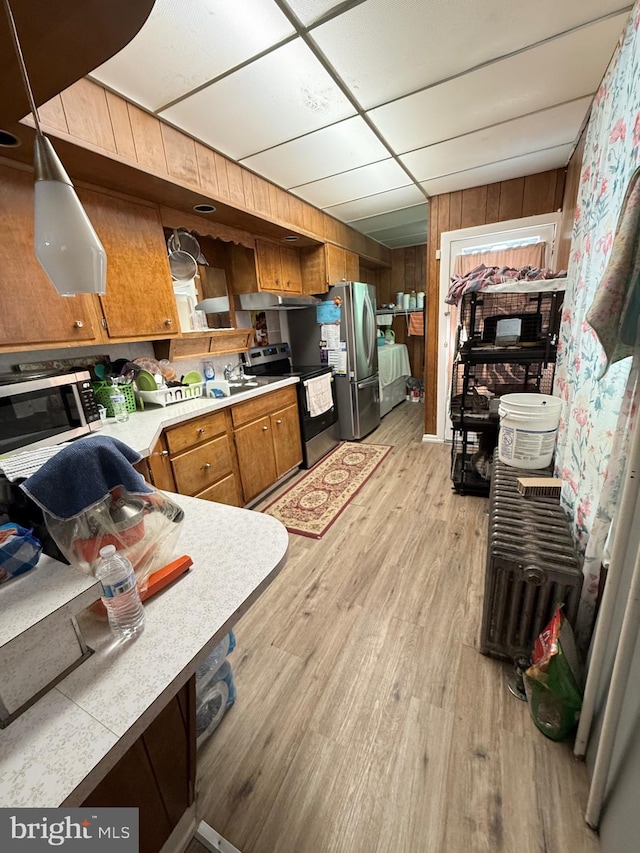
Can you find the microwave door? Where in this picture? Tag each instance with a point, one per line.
(40, 417)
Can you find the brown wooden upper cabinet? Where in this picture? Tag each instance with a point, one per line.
(31, 310)
(139, 301)
(342, 265)
(278, 267)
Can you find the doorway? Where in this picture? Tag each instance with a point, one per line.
(468, 247)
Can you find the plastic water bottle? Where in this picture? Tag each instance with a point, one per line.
(120, 594)
(119, 404)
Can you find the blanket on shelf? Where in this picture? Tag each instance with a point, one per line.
(482, 276)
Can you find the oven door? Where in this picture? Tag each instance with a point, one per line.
(40, 412)
(313, 426)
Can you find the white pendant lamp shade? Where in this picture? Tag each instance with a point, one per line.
(66, 243)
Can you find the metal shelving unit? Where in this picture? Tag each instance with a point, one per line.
(481, 365)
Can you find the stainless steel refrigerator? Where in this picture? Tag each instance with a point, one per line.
(357, 390)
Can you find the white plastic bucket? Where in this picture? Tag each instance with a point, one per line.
(528, 428)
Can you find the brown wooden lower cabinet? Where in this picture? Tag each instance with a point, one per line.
(267, 437)
(232, 455)
(256, 458)
(287, 448)
(157, 774)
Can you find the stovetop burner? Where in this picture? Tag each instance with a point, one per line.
(276, 360)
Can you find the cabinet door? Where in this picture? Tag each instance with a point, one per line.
(286, 439)
(269, 269)
(159, 467)
(291, 271)
(352, 266)
(139, 301)
(256, 460)
(31, 311)
(336, 268)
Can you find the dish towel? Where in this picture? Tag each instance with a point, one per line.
(615, 309)
(416, 324)
(83, 474)
(319, 396)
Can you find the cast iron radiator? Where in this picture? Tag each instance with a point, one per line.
(531, 567)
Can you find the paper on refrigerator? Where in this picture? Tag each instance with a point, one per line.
(338, 360)
(330, 334)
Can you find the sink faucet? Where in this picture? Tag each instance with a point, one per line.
(230, 369)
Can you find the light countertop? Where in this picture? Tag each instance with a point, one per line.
(143, 429)
(57, 751)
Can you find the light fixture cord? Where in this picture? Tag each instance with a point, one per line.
(23, 67)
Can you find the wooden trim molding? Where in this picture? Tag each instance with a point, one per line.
(91, 121)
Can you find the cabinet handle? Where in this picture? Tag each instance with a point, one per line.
(164, 453)
(277, 281)
(78, 324)
(265, 428)
(168, 322)
(201, 431)
(278, 421)
(206, 465)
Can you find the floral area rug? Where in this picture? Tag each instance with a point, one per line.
(312, 504)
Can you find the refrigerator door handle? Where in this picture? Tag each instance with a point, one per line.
(372, 328)
(372, 380)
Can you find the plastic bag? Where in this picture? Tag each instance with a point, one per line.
(143, 527)
(553, 681)
(19, 551)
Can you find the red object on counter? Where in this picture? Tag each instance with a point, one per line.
(157, 581)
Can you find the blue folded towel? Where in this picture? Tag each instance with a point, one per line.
(82, 475)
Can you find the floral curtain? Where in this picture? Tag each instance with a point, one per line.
(597, 412)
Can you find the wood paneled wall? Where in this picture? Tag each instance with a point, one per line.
(89, 116)
(572, 184)
(529, 196)
(409, 272)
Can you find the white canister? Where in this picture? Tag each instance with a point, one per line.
(399, 299)
(420, 300)
(405, 301)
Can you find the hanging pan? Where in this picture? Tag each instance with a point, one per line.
(182, 240)
(183, 266)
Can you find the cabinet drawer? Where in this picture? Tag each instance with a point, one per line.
(244, 413)
(203, 466)
(224, 492)
(196, 431)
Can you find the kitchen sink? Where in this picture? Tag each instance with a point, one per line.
(238, 386)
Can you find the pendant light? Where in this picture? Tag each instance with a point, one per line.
(65, 242)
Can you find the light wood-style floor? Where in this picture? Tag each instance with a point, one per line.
(366, 720)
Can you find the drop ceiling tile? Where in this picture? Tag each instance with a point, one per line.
(405, 216)
(309, 11)
(338, 148)
(552, 73)
(517, 167)
(374, 178)
(401, 232)
(378, 203)
(284, 94)
(384, 49)
(556, 126)
(185, 43)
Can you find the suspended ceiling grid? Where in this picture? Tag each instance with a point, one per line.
(366, 108)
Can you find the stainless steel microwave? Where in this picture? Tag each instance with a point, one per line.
(36, 411)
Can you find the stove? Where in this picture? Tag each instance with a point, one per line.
(320, 433)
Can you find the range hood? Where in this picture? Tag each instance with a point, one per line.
(274, 301)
